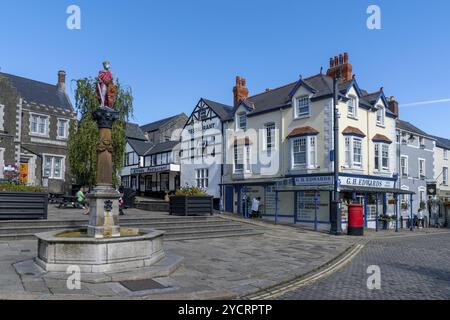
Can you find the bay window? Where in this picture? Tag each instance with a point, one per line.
(353, 150)
(381, 159)
(304, 152)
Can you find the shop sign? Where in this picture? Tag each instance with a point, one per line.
(150, 169)
(313, 180)
(366, 182)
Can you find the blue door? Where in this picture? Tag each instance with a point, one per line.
(229, 192)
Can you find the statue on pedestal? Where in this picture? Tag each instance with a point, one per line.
(104, 205)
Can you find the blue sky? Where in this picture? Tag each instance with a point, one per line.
(171, 53)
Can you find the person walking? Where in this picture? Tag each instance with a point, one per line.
(81, 200)
(420, 217)
(255, 207)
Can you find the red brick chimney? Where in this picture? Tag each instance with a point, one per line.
(339, 65)
(61, 80)
(393, 105)
(240, 91)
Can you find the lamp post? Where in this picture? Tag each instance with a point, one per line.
(336, 211)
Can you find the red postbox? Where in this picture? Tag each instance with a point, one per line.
(355, 220)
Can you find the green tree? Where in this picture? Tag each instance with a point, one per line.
(83, 136)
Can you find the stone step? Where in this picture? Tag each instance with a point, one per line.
(160, 226)
(169, 236)
(123, 220)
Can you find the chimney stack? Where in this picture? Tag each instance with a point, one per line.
(340, 65)
(240, 91)
(393, 105)
(62, 80)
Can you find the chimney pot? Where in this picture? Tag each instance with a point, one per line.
(341, 59)
(345, 57)
(240, 91)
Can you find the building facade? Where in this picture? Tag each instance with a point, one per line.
(152, 165)
(442, 165)
(416, 164)
(34, 127)
(279, 147)
(202, 148)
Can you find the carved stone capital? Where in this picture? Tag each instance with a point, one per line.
(105, 117)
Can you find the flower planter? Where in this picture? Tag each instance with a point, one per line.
(190, 205)
(23, 205)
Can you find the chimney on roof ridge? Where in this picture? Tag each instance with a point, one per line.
(61, 81)
(340, 65)
(240, 91)
(393, 105)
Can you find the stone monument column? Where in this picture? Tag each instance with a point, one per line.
(104, 199)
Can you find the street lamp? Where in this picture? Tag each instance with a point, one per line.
(336, 210)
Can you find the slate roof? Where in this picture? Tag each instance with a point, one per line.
(132, 131)
(404, 125)
(223, 111)
(442, 142)
(39, 92)
(141, 147)
(162, 147)
(153, 126)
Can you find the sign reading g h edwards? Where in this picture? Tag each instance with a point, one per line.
(366, 182)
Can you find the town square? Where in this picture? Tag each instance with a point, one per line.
(249, 152)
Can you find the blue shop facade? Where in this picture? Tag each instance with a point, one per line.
(306, 199)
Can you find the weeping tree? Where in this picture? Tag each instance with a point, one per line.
(83, 137)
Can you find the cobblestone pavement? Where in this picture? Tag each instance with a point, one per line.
(415, 267)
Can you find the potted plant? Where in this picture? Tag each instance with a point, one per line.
(190, 200)
(19, 201)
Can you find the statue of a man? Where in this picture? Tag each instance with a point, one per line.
(106, 90)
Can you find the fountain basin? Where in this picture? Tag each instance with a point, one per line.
(135, 248)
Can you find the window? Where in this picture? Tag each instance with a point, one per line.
(242, 158)
(380, 116)
(357, 152)
(38, 124)
(131, 159)
(164, 182)
(385, 157)
(422, 196)
(304, 152)
(421, 168)
(445, 154)
(302, 107)
(126, 181)
(148, 161)
(381, 160)
(445, 176)
(53, 167)
(202, 114)
(352, 108)
(201, 176)
(242, 121)
(348, 152)
(404, 166)
(63, 128)
(422, 142)
(270, 137)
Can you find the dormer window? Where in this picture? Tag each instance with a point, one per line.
(380, 116)
(352, 107)
(242, 121)
(302, 107)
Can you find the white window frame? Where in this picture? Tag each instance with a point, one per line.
(239, 116)
(422, 174)
(423, 191)
(246, 158)
(385, 145)
(445, 176)
(269, 147)
(2, 116)
(381, 146)
(445, 154)
(298, 101)
(381, 122)
(66, 128)
(310, 153)
(406, 158)
(202, 178)
(349, 155)
(52, 166)
(354, 114)
(47, 125)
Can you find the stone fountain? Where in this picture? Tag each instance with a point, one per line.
(103, 246)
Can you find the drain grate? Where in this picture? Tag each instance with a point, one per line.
(142, 285)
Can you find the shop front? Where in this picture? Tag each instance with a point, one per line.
(155, 181)
(306, 200)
